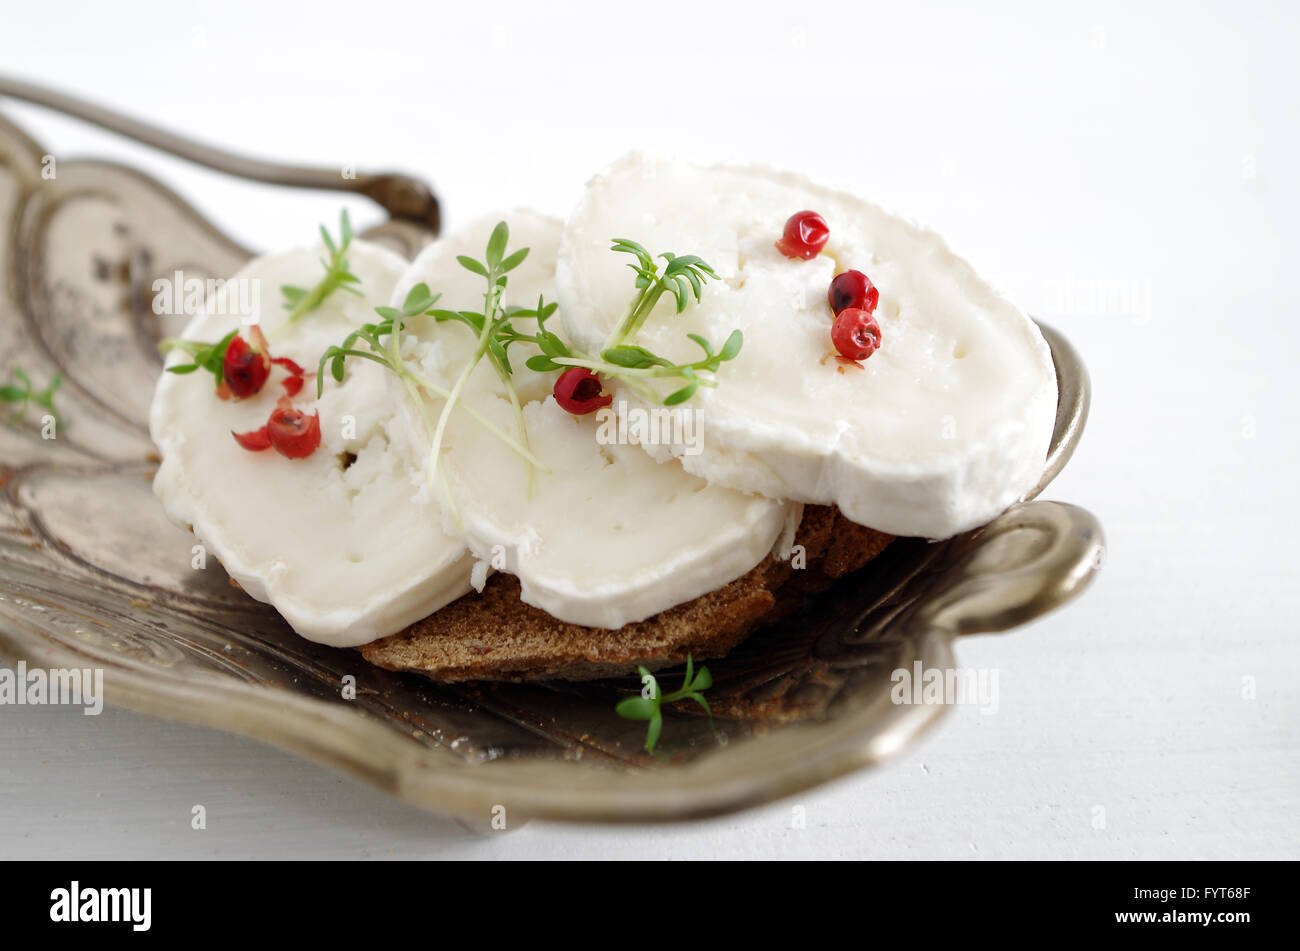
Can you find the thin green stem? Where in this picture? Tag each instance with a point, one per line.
(315, 297)
(508, 383)
(493, 428)
(636, 314)
(493, 316)
(451, 399)
(444, 489)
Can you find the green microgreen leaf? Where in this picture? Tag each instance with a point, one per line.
(636, 708)
(703, 344)
(653, 730)
(418, 300)
(21, 395)
(551, 345)
(496, 247)
(470, 264)
(300, 301)
(699, 698)
(682, 395)
(516, 259)
(635, 358)
(731, 349)
(541, 363)
(207, 356)
(470, 319)
(648, 706)
(684, 277)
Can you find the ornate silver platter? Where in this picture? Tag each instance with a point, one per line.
(93, 575)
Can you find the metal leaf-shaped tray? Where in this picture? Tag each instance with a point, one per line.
(92, 574)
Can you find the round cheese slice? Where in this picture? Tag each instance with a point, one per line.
(345, 543)
(607, 536)
(941, 429)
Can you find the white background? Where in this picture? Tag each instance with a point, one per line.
(1125, 171)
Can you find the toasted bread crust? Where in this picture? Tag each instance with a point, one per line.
(496, 636)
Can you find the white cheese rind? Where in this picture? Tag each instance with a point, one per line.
(609, 536)
(944, 427)
(345, 555)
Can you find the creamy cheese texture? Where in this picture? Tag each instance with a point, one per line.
(608, 535)
(344, 543)
(944, 427)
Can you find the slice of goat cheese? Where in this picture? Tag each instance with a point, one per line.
(942, 428)
(345, 543)
(606, 537)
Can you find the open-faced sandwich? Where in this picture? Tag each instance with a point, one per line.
(563, 450)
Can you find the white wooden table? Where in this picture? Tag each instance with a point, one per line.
(1124, 173)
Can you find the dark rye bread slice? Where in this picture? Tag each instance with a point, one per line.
(495, 636)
